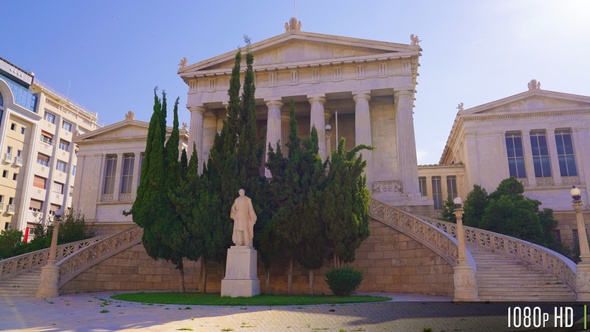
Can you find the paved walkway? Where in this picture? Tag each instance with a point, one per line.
(97, 312)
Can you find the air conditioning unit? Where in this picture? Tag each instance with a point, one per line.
(8, 158)
(18, 161)
(11, 209)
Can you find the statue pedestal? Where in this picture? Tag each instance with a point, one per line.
(240, 273)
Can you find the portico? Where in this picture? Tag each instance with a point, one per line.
(362, 89)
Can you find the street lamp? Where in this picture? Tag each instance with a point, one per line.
(53, 248)
(582, 237)
(462, 252)
(50, 273)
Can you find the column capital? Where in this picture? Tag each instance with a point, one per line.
(200, 109)
(364, 95)
(274, 103)
(402, 93)
(316, 98)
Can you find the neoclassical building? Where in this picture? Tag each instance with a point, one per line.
(540, 137)
(39, 158)
(362, 90)
(109, 169)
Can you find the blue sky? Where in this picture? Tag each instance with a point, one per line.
(109, 55)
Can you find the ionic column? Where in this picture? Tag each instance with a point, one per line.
(552, 146)
(118, 172)
(273, 128)
(316, 119)
(196, 133)
(406, 142)
(285, 131)
(528, 159)
(362, 131)
(136, 171)
(327, 117)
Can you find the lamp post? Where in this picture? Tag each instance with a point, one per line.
(50, 273)
(462, 252)
(583, 267)
(582, 237)
(463, 273)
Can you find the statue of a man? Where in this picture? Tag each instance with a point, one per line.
(244, 218)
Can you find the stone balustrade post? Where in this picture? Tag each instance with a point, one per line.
(463, 274)
(50, 273)
(583, 267)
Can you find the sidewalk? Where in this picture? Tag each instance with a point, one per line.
(97, 312)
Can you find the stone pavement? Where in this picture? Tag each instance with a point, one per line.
(97, 312)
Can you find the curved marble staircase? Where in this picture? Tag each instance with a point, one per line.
(504, 278)
(507, 269)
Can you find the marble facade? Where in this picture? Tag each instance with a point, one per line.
(363, 89)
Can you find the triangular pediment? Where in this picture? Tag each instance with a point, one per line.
(127, 129)
(295, 48)
(532, 101)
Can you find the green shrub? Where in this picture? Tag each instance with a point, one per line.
(343, 281)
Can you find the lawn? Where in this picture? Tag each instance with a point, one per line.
(193, 298)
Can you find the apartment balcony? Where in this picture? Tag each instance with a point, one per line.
(18, 161)
(7, 158)
(11, 209)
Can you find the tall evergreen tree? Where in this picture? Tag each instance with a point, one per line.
(151, 209)
(475, 205)
(346, 203)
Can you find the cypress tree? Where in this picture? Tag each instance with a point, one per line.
(346, 203)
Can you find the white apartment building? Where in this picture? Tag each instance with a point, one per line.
(39, 157)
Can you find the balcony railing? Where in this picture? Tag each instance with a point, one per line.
(18, 161)
(11, 209)
(8, 158)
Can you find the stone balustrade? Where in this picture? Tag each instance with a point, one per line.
(544, 258)
(22, 263)
(440, 241)
(81, 260)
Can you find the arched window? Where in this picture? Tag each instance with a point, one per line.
(1, 100)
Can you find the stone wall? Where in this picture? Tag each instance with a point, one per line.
(566, 223)
(390, 261)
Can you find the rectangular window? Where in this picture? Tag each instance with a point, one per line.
(42, 159)
(13, 126)
(437, 192)
(73, 169)
(61, 166)
(540, 154)
(14, 176)
(565, 152)
(53, 208)
(35, 205)
(49, 117)
(4, 173)
(422, 184)
(452, 186)
(9, 149)
(109, 174)
(515, 155)
(46, 137)
(58, 188)
(67, 126)
(127, 173)
(64, 145)
(39, 182)
(22, 130)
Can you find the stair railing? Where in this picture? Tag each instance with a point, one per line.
(93, 254)
(544, 258)
(12, 266)
(424, 232)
